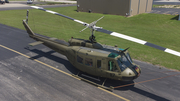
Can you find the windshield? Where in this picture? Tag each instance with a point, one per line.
(123, 62)
(128, 56)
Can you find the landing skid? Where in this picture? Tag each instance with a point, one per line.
(93, 83)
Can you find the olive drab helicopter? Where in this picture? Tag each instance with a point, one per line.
(90, 56)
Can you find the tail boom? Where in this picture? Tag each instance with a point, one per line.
(28, 29)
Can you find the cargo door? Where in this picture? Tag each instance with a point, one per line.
(90, 64)
(100, 67)
(80, 62)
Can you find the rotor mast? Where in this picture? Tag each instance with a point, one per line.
(92, 27)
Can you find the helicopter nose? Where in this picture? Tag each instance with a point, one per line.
(138, 70)
(132, 73)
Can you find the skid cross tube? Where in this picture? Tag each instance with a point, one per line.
(93, 83)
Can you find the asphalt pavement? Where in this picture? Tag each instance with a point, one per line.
(20, 5)
(166, 2)
(171, 11)
(41, 74)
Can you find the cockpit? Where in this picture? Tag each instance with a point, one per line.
(123, 64)
(123, 61)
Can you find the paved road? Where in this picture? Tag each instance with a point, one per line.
(37, 74)
(171, 11)
(16, 6)
(157, 2)
(22, 5)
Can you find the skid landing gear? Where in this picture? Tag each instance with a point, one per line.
(93, 83)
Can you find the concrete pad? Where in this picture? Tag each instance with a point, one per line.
(13, 5)
(62, 1)
(23, 79)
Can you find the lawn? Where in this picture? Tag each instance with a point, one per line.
(159, 29)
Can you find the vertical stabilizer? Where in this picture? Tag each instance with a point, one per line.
(28, 29)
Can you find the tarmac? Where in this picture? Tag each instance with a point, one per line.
(37, 74)
(12, 5)
(35, 1)
(63, 1)
(166, 11)
(41, 74)
(166, 2)
(24, 3)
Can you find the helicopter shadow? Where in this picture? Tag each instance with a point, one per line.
(50, 56)
(130, 85)
(108, 82)
(125, 86)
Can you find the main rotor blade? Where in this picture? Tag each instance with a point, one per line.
(138, 41)
(115, 33)
(52, 12)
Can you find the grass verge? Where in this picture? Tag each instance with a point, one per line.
(159, 29)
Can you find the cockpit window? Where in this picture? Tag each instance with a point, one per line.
(121, 65)
(123, 62)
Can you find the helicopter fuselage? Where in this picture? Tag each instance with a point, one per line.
(102, 60)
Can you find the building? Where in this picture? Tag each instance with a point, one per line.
(116, 7)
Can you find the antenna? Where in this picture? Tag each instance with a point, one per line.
(92, 27)
(124, 50)
(27, 16)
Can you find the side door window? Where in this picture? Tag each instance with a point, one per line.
(112, 66)
(88, 62)
(79, 59)
(98, 63)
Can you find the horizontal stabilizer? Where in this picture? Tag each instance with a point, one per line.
(53, 39)
(35, 43)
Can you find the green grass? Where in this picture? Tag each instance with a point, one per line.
(157, 6)
(159, 29)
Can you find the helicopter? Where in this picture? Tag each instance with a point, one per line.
(91, 57)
